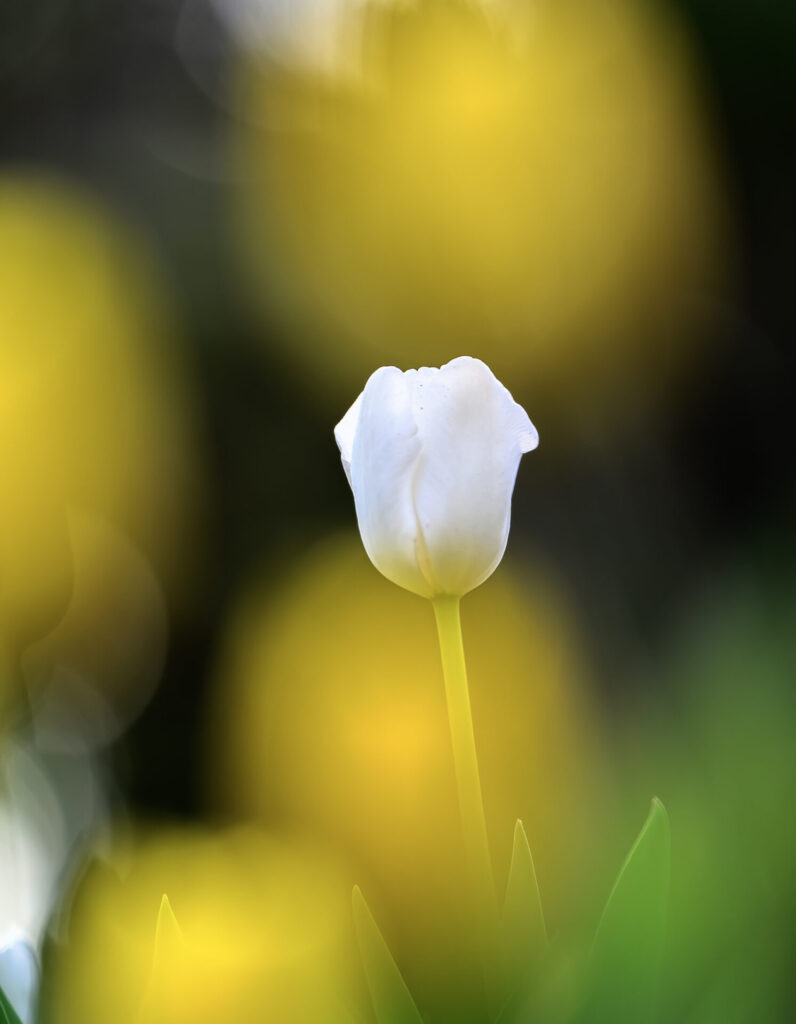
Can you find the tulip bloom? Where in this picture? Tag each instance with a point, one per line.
(432, 456)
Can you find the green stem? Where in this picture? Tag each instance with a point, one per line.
(468, 781)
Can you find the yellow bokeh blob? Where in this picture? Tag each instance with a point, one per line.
(95, 671)
(329, 714)
(538, 188)
(95, 407)
(262, 932)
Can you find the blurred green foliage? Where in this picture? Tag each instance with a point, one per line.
(7, 1012)
(719, 740)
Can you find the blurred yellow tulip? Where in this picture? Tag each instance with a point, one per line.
(36, 568)
(329, 713)
(258, 932)
(532, 184)
(96, 670)
(95, 408)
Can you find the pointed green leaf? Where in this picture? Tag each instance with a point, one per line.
(524, 936)
(168, 934)
(169, 946)
(392, 1001)
(7, 1013)
(625, 958)
(523, 919)
(168, 952)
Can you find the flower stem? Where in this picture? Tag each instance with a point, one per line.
(468, 781)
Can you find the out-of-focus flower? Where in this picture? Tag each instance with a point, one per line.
(532, 182)
(94, 673)
(36, 568)
(316, 35)
(321, 37)
(347, 738)
(263, 925)
(47, 810)
(95, 404)
(19, 977)
(431, 456)
(33, 844)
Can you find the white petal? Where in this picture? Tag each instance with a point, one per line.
(473, 435)
(344, 434)
(528, 435)
(383, 463)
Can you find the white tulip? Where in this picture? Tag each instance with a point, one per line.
(432, 456)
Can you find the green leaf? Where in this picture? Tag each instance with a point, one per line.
(168, 934)
(625, 958)
(7, 1013)
(169, 949)
(523, 920)
(524, 936)
(392, 1001)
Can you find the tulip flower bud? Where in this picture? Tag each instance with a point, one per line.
(431, 456)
